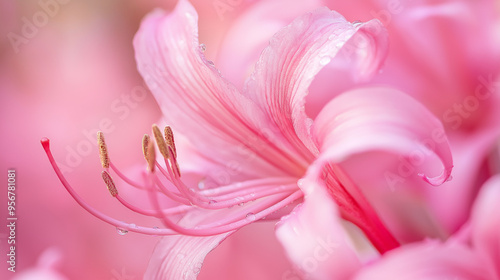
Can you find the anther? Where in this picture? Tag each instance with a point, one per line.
(109, 183)
(151, 156)
(169, 138)
(145, 145)
(103, 150)
(162, 146)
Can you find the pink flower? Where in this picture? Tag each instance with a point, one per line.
(473, 253)
(261, 140)
(446, 54)
(79, 62)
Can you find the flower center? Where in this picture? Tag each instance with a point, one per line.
(227, 207)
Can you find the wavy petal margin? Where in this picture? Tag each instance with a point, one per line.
(297, 53)
(378, 118)
(225, 126)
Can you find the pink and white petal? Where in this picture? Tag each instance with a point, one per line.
(383, 119)
(181, 257)
(297, 53)
(426, 260)
(249, 253)
(249, 34)
(197, 101)
(434, 54)
(469, 173)
(315, 239)
(485, 224)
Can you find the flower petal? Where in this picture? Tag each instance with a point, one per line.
(486, 226)
(228, 128)
(250, 34)
(315, 240)
(381, 119)
(425, 260)
(297, 53)
(181, 257)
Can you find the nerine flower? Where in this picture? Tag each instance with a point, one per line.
(270, 153)
(472, 253)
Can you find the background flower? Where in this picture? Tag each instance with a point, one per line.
(81, 61)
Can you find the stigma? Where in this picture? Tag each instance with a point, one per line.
(234, 205)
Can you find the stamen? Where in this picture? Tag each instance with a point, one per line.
(207, 230)
(160, 141)
(119, 224)
(173, 162)
(145, 144)
(125, 178)
(109, 183)
(169, 138)
(151, 156)
(153, 213)
(103, 150)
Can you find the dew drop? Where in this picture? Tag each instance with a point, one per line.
(121, 231)
(356, 23)
(201, 184)
(325, 60)
(211, 63)
(203, 48)
(133, 225)
(251, 216)
(449, 178)
(300, 183)
(212, 202)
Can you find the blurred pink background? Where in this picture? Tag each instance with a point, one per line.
(66, 77)
(70, 76)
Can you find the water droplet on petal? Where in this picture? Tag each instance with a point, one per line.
(449, 178)
(300, 183)
(325, 60)
(212, 202)
(121, 231)
(211, 63)
(203, 48)
(357, 23)
(251, 217)
(133, 225)
(201, 184)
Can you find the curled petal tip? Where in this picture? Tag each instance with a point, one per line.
(445, 176)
